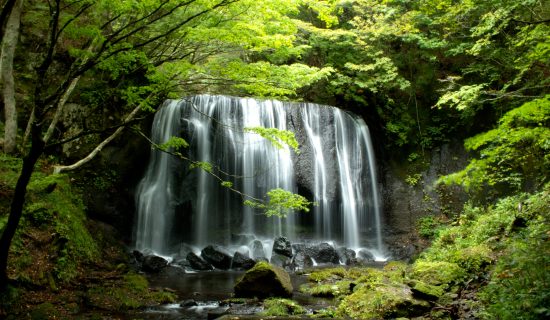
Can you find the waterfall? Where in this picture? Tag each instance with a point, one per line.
(335, 168)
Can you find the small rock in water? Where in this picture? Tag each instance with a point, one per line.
(282, 245)
(217, 256)
(197, 262)
(241, 261)
(189, 303)
(280, 260)
(365, 255)
(153, 264)
(138, 255)
(346, 255)
(301, 261)
(324, 253)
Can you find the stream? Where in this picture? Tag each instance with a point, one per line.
(208, 289)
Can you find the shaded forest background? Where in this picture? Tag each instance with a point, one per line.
(77, 75)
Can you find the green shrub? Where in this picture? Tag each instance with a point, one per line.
(520, 283)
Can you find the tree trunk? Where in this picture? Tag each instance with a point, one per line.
(9, 43)
(7, 6)
(16, 209)
(81, 162)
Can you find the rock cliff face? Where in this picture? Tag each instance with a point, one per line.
(411, 195)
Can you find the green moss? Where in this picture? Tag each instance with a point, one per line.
(282, 307)
(327, 290)
(327, 274)
(437, 273)
(426, 291)
(133, 293)
(382, 301)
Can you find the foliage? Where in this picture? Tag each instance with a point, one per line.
(282, 307)
(54, 208)
(513, 156)
(428, 226)
(280, 203)
(277, 137)
(520, 283)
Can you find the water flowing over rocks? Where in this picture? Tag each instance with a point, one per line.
(335, 168)
(258, 250)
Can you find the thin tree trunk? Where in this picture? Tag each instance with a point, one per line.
(81, 162)
(59, 109)
(9, 43)
(16, 209)
(7, 7)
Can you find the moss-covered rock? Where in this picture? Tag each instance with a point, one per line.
(282, 307)
(264, 280)
(382, 301)
(425, 291)
(437, 273)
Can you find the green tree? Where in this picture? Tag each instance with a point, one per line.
(151, 49)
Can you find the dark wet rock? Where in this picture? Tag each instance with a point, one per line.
(297, 247)
(365, 255)
(242, 239)
(346, 256)
(153, 264)
(264, 280)
(282, 246)
(301, 260)
(138, 256)
(172, 271)
(197, 262)
(323, 253)
(258, 250)
(217, 256)
(280, 260)
(188, 303)
(242, 261)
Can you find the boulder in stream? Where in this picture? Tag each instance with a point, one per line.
(197, 262)
(153, 264)
(264, 280)
(217, 256)
(242, 261)
(282, 246)
(324, 253)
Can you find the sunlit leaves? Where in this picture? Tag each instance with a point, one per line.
(280, 203)
(279, 138)
(513, 154)
(174, 144)
(206, 166)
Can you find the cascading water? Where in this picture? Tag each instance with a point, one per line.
(335, 168)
